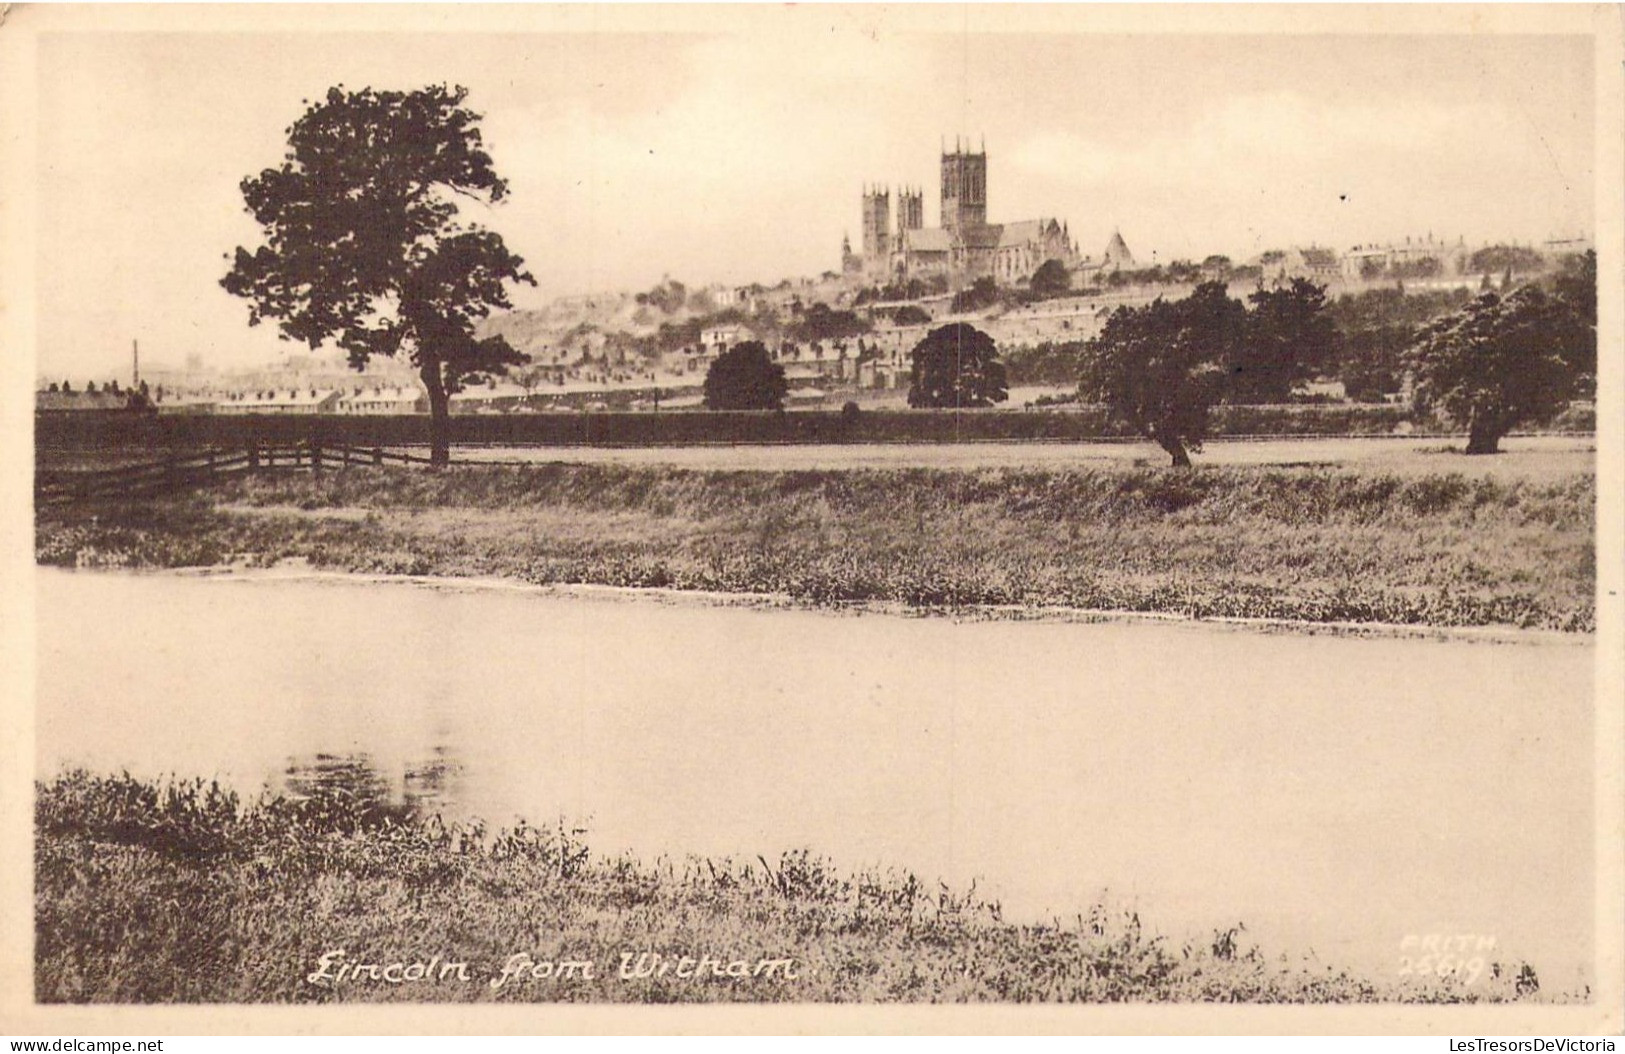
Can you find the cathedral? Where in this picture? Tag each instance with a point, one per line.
(966, 247)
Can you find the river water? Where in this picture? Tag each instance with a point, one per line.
(1335, 795)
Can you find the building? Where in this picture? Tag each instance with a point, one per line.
(1114, 258)
(381, 400)
(280, 401)
(965, 247)
(718, 339)
(1414, 258)
(877, 239)
(490, 398)
(1311, 262)
(170, 403)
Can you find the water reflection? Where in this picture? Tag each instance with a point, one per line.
(354, 785)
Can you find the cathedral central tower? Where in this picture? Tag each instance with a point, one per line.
(964, 189)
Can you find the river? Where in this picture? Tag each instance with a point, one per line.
(1336, 795)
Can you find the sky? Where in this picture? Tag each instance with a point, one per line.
(737, 155)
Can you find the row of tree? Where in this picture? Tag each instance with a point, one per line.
(1498, 362)
(111, 387)
(1296, 333)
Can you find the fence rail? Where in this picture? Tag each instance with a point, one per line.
(172, 473)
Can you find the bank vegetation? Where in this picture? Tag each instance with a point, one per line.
(185, 892)
(1313, 544)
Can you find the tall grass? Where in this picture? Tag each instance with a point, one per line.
(187, 893)
(1314, 544)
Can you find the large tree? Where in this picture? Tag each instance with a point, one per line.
(1575, 289)
(1290, 336)
(956, 367)
(365, 245)
(1497, 363)
(745, 377)
(1160, 367)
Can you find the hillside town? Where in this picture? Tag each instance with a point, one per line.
(843, 335)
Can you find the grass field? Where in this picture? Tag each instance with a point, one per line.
(1434, 547)
(183, 892)
(1522, 457)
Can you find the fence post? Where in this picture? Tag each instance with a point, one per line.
(316, 457)
(254, 456)
(377, 455)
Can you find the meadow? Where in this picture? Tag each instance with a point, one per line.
(1435, 547)
(184, 892)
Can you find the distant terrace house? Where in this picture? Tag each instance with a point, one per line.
(1314, 263)
(381, 400)
(170, 404)
(805, 377)
(281, 401)
(820, 359)
(1374, 261)
(502, 397)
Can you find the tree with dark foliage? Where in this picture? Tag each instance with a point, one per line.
(821, 322)
(1161, 367)
(982, 293)
(365, 245)
(956, 367)
(745, 377)
(1497, 363)
(1290, 336)
(1051, 279)
(1575, 290)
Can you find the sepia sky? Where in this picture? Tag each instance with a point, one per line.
(734, 156)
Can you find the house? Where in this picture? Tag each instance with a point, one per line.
(281, 401)
(382, 400)
(170, 404)
(1312, 262)
(718, 339)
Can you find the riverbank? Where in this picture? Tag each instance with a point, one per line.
(1313, 545)
(184, 892)
(1291, 544)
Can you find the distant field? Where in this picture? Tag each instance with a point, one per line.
(1527, 456)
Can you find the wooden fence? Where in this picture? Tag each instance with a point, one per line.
(173, 473)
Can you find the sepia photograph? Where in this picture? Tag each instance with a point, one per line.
(839, 509)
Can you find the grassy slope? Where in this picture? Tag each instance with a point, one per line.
(1299, 543)
(183, 893)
